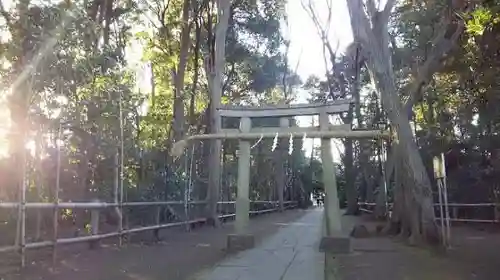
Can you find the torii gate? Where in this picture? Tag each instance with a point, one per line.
(333, 242)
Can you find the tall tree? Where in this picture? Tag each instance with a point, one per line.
(215, 70)
(370, 28)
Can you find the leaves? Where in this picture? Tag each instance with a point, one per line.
(481, 18)
(85, 80)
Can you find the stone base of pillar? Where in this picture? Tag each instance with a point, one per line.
(239, 242)
(338, 244)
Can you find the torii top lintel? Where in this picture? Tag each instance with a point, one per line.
(291, 110)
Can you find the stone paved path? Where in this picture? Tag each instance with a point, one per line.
(290, 254)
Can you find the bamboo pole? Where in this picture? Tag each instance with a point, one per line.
(55, 210)
(191, 178)
(381, 207)
(446, 206)
(55, 224)
(441, 212)
(120, 223)
(91, 205)
(449, 204)
(187, 189)
(313, 134)
(8, 249)
(23, 212)
(178, 147)
(186, 218)
(38, 183)
(42, 244)
(116, 186)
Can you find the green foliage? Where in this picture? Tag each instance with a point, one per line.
(458, 113)
(481, 18)
(85, 82)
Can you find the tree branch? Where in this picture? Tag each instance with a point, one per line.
(232, 71)
(329, 18)
(442, 45)
(386, 12)
(360, 23)
(322, 31)
(323, 34)
(371, 9)
(6, 16)
(312, 14)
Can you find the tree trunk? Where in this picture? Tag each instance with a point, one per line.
(179, 73)
(372, 33)
(363, 157)
(351, 192)
(107, 16)
(411, 161)
(398, 222)
(194, 89)
(215, 75)
(350, 174)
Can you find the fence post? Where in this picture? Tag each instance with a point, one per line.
(441, 211)
(454, 212)
(156, 232)
(186, 199)
(21, 230)
(55, 222)
(440, 175)
(94, 225)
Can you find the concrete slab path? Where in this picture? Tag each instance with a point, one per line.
(290, 254)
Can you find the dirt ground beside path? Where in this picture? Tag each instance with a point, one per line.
(180, 254)
(474, 255)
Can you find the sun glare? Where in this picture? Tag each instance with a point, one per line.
(4, 126)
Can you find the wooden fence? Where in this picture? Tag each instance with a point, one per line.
(454, 213)
(96, 207)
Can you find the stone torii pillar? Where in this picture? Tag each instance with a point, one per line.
(241, 239)
(333, 242)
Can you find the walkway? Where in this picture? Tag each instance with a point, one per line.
(291, 254)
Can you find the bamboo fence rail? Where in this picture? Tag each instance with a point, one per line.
(96, 206)
(455, 206)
